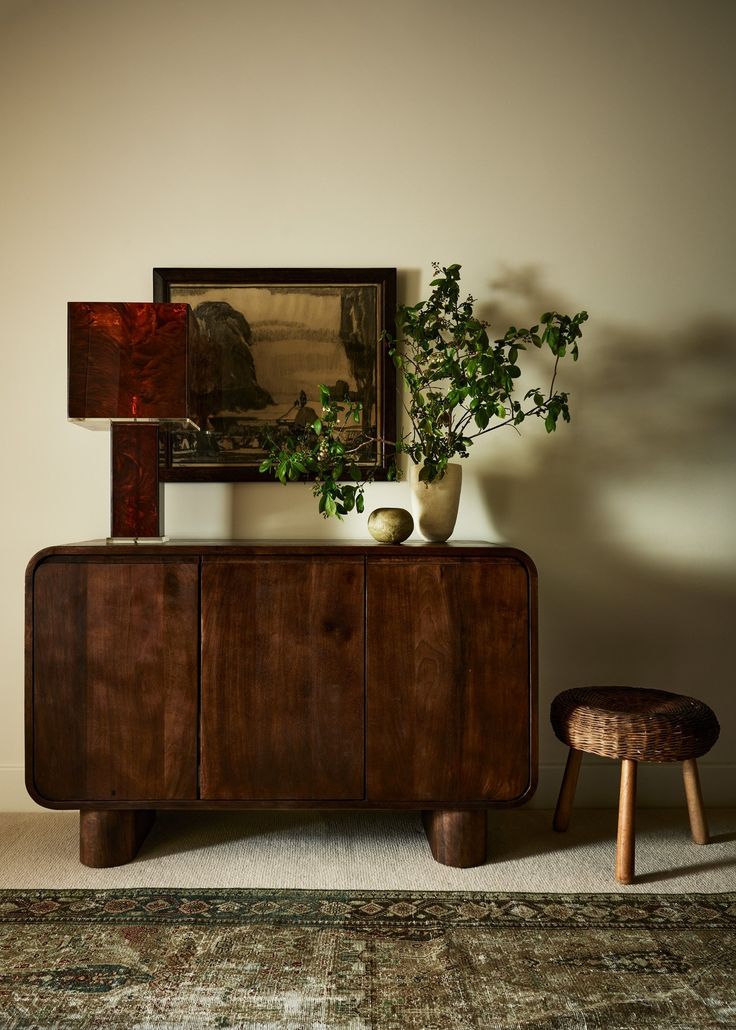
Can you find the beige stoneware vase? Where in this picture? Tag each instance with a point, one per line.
(435, 504)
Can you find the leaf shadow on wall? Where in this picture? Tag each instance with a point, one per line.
(628, 511)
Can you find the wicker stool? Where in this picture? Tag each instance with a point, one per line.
(633, 725)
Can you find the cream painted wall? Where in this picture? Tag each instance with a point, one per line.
(567, 153)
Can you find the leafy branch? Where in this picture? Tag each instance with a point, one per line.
(326, 450)
(460, 382)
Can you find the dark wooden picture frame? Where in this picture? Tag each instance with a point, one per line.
(268, 338)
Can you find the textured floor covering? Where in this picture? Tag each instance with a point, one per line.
(374, 851)
(148, 959)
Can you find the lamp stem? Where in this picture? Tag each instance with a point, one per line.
(137, 494)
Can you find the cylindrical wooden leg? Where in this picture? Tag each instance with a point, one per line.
(110, 837)
(561, 820)
(698, 822)
(625, 840)
(457, 837)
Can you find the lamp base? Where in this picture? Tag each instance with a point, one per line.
(137, 511)
(136, 540)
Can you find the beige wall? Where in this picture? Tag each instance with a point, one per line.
(568, 153)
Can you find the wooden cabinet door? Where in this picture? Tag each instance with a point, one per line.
(449, 681)
(282, 679)
(115, 680)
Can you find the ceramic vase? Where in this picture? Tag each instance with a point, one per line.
(435, 504)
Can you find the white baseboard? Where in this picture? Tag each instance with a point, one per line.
(658, 786)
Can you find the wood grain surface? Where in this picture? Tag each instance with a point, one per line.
(115, 680)
(456, 837)
(109, 838)
(282, 679)
(449, 691)
(297, 674)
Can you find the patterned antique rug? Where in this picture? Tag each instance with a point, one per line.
(147, 959)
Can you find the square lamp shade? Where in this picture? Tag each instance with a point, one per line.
(128, 365)
(129, 361)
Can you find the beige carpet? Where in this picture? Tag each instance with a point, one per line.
(374, 850)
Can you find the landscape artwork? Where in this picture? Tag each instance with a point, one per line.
(266, 341)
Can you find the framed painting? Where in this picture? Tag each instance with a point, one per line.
(267, 339)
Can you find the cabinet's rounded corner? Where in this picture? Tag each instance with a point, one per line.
(38, 559)
(526, 562)
(522, 798)
(35, 794)
(530, 791)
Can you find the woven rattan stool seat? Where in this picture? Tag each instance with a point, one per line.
(633, 725)
(630, 722)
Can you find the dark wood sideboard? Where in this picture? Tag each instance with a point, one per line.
(280, 675)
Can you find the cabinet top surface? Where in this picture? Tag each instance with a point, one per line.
(156, 547)
(245, 548)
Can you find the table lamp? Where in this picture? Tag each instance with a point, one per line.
(128, 367)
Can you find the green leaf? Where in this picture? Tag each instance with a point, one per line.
(317, 426)
(360, 503)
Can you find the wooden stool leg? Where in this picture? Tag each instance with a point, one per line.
(698, 822)
(625, 840)
(561, 819)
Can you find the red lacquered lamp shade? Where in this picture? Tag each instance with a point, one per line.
(129, 365)
(129, 361)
